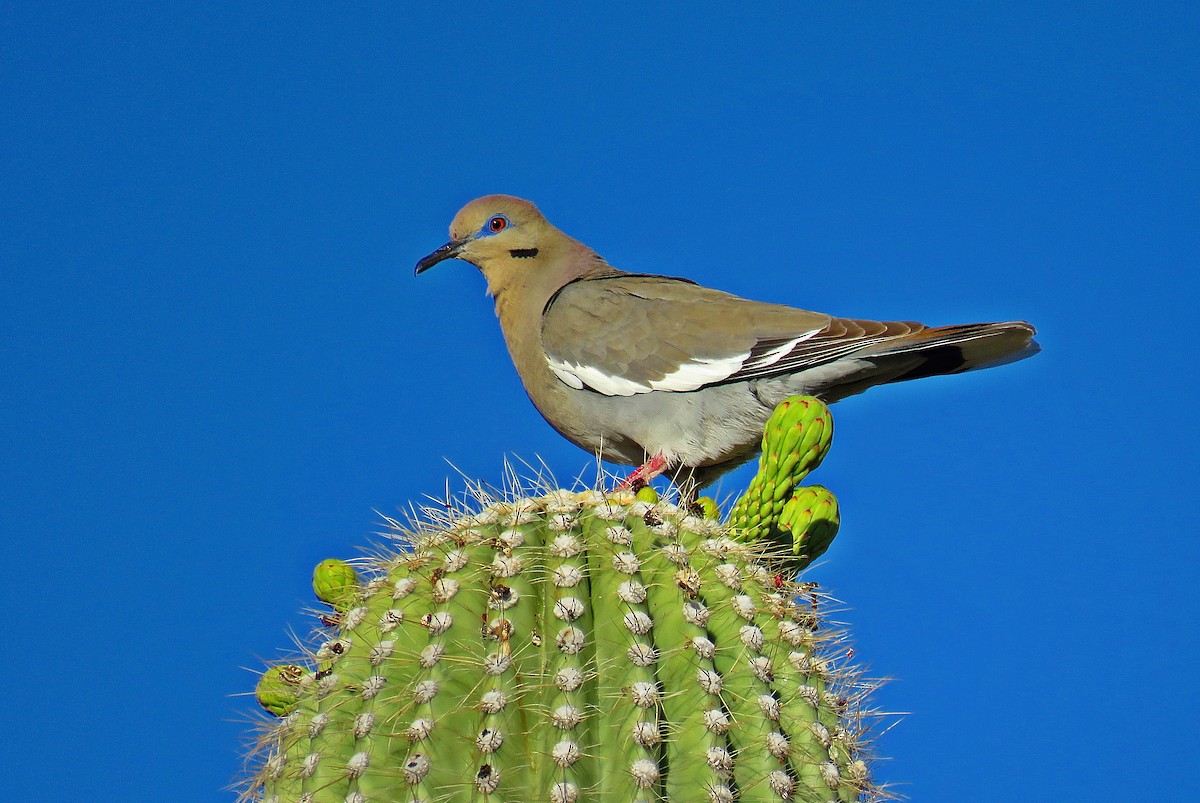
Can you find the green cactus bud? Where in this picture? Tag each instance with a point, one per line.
(569, 647)
(647, 494)
(336, 583)
(278, 689)
(812, 518)
(708, 508)
(796, 439)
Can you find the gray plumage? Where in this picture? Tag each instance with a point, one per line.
(637, 365)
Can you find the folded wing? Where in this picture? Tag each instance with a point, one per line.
(630, 333)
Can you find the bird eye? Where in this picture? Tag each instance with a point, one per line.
(498, 223)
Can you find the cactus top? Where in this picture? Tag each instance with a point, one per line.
(567, 647)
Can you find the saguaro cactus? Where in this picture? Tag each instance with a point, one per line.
(573, 647)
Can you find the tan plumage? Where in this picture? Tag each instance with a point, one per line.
(638, 365)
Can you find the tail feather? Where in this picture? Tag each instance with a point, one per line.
(954, 349)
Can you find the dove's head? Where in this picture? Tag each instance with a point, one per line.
(513, 246)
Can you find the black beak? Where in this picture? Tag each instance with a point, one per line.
(447, 251)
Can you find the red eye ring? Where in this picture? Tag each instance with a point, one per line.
(497, 224)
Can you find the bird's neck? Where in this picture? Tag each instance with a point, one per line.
(520, 312)
(520, 303)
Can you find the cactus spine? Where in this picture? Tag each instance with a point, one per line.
(571, 647)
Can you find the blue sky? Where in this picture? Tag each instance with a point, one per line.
(217, 364)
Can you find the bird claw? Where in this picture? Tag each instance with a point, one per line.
(647, 471)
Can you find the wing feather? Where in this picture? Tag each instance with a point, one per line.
(628, 334)
(623, 334)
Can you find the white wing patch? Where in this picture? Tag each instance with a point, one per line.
(700, 372)
(577, 376)
(689, 376)
(564, 372)
(776, 354)
(692, 375)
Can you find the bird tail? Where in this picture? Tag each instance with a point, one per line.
(953, 349)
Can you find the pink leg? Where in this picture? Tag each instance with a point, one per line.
(652, 468)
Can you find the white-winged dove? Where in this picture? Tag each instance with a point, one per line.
(662, 373)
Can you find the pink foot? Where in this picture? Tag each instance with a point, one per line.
(652, 468)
